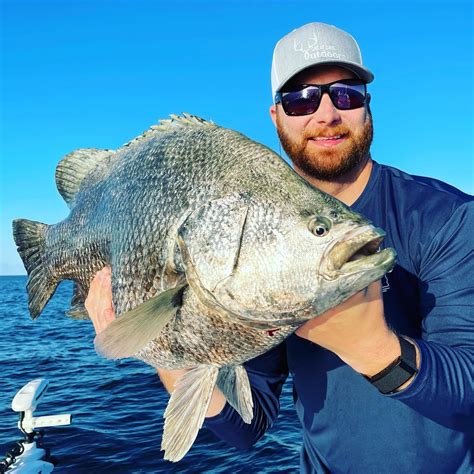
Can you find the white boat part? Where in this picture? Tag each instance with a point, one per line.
(26, 401)
(31, 461)
(27, 457)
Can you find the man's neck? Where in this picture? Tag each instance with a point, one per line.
(347, 188)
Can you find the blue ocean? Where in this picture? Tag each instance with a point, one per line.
(117, 406)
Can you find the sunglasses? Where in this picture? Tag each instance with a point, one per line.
(304, 99)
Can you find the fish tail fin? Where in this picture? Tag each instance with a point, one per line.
(186, 410)
(233, 382)
(30, 239)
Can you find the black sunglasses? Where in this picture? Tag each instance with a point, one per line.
(304, 99)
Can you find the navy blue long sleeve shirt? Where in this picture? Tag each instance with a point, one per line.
(348, 425)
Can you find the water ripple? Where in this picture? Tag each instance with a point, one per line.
(117, 406)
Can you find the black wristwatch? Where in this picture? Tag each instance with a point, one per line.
(398, 372)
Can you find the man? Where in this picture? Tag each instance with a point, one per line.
(383, 382)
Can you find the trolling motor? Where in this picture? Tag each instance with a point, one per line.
(26, 456)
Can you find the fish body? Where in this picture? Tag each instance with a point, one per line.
(218, 250)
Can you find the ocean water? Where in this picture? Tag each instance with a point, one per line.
(117, 406)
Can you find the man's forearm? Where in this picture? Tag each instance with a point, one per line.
(443, 390)
(375, 357)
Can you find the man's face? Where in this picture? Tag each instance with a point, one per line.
(329, 143)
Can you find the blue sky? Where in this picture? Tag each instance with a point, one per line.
(78, 74)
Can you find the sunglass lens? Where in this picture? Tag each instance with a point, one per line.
(346, 96)
(302, 102)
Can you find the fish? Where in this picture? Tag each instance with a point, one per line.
(219, 250)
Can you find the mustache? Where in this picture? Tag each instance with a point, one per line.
(326, 132)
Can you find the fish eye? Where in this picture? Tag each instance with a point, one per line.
(319, 226)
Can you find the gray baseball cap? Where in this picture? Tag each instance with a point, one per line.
(315, 44)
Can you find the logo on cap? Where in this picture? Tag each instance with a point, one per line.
(312, 50)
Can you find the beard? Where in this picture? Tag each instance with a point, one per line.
(328, 165)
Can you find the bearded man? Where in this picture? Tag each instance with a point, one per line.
(383, 383)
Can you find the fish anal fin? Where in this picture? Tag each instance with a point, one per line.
(234, 383)
(132, 331)
(77, 309)
(186, 410)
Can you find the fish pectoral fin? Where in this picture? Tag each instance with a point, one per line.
(233, 382)
(132, 331)
(186, 410)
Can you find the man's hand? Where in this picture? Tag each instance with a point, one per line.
(99, 300)
(356, 331)
(101, 311)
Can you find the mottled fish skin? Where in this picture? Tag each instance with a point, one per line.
(193, 205)
(128, 209)
(199, 335)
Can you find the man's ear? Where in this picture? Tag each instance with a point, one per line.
(273, 113)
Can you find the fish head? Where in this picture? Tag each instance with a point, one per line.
(269, 265)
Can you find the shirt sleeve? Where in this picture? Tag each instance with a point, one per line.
(443, 390)
(267, 374)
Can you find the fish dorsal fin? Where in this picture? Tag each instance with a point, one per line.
(167, 125)
(186, 120)
(74, 167)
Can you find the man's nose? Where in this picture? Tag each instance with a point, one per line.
(327, 113)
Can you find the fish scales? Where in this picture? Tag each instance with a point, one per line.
(210, 339)
(218, 251)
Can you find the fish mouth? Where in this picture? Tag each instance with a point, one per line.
(358, 252)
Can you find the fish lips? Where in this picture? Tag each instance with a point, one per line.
(358, 252)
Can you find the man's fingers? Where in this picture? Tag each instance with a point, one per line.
(99, 300)
(106, 283)
(343, 311)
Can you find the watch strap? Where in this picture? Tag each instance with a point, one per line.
(398, 372)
